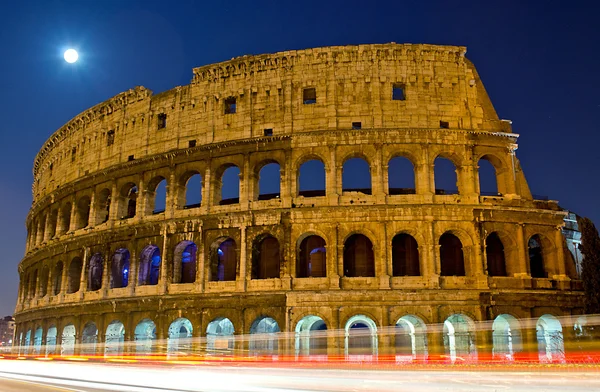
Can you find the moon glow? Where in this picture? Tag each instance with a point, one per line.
(71, 56)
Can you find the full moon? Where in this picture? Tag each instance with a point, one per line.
(71, 55)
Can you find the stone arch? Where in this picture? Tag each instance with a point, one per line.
(37, 340)
(405, 255)
(127, 206)
(67, 345)
(44, 276)
(356, 175)
(266, 257)
(144, 336)
(226, 188)
(311, 336)
(459, 337)
(551, 346)
(360, 335)
(57, 278)
(312, 176)
(185, 262)
(119, 269)
(499, 176)
(156, 195)
(445, 171)
(51, 335)
(65, 214)
(95, 272)
(452, 261)
(149, 268)
(268, 180)
(190, 194)
(223, 260)
(180, 337)
(83, 212)
(89, 339)
(74, 277)
(487, 173)
(401, 176)
(506, 337)
(494, 250)
(410, 337)
(359, 259)
(115, 338)
(263, 338)
(219, 334)
(103, 205)
(312, 257)
(538, 250)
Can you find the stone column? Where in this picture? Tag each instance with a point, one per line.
(560, 255)
(164, 280)
(523, 253)
(171, 199)
(106, 271)
(246, 184)
(377, 176)
(115, 201)
(39, 234)
(47, 227)
(93, 213)
(200, 261)
(82, 280)
(133, 269)
(288, 177)
(332, 183)
(142, 204)
(73, 220)
(207, 201)
(63, 283)
(242, 278)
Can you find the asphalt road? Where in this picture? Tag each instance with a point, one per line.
(8, 385)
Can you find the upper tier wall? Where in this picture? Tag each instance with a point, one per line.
(352, 83)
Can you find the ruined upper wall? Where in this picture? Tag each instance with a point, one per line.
(352, 83)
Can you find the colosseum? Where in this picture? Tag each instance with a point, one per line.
(301, 191)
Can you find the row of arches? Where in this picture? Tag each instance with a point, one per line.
(187, 191)
(409, 337)
(266, 262)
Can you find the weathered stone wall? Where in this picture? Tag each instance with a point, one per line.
(77, 166)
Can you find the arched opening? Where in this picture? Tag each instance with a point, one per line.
(41, 229)
(119, 269)
(405, 256)
(551, 346)
(128, 201)
(95, 272)
(361, 336)
(89, 338)
(358, 256)
(149, 266)
(311, 336)
(494, 251)
(184, 270)
(230, 186)
(65, 218)
(445, 175)
(219, 335)
(401, 176)
(536, 257)
(67, 344)
(157, 197)
(223, 266)
(144, 336)
(506, 336)
(51, 340)
(263, 336)
(488, 184)
(74, 277)
(52, 222)
(33, 283)
(103, 206)
(312, 260)
(356, 176)
(37, 340)
(451, 256)
(269, 181)
(459, 337)
(311, 179)
(57, 278)
(115, 338)
(180, 337)
(44, 281)
(192, 182)
(83, 212)
(410, 338)
(27, 341)
(265, 258)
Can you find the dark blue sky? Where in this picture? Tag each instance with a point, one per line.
(540, 63)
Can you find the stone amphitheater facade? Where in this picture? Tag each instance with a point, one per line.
(98, 250)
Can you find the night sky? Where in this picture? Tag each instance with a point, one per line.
(539, 62)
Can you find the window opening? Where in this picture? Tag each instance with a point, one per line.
(356, 125)
(162, 120)
(230, 105)
(398, 92)
(309, 96)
